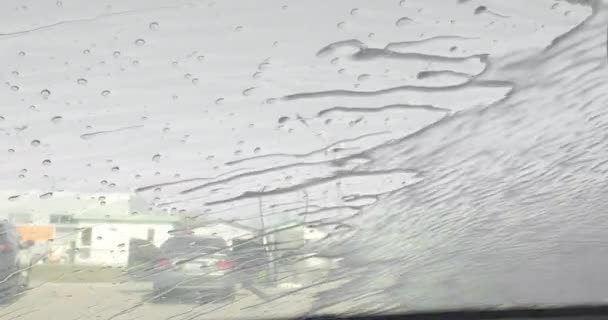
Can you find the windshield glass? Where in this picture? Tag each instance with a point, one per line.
(329, 157)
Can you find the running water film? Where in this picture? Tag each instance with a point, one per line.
(224, 159)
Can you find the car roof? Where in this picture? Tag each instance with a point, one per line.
(195, 237)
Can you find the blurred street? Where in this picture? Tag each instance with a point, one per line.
(70, 301)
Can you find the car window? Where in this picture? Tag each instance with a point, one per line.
(345, 157)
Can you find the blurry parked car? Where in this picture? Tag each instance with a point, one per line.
(195, 264)
(15, 262)
(143, 255)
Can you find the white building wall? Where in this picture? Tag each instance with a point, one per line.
(110, 241)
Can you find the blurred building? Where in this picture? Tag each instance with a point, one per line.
(95, 228)
(106, 241)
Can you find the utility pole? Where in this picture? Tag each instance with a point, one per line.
(269, 253)
(262, 226)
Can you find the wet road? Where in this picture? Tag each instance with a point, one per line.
(131, 301)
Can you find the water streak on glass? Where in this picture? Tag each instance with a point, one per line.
(194, 159)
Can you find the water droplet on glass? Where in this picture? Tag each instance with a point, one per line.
(403, 21)
(15, 88)
(46, 162)
(188, 76)
(105, 93)
(341, 25)
(140, 42)
(86, 51)
(195, 81)
(354, 11)
(46, 195)
(11, 150)
(13, 198)
(35, 143)
(263, 66)
(200, 58)
(22, 53)
(59, 4)
(480, 9)
(363, 77)
(103, 182)
(82, 81)
(115, 169)
(156, 158)
(45, 93)
(257, 150)
(283, 119)
(239, 28)
(402, 3)
(56, 119)
(153, 25)
(112, 185)
(116, 54)
(219, 101)
(248, 91)
(15, 73)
